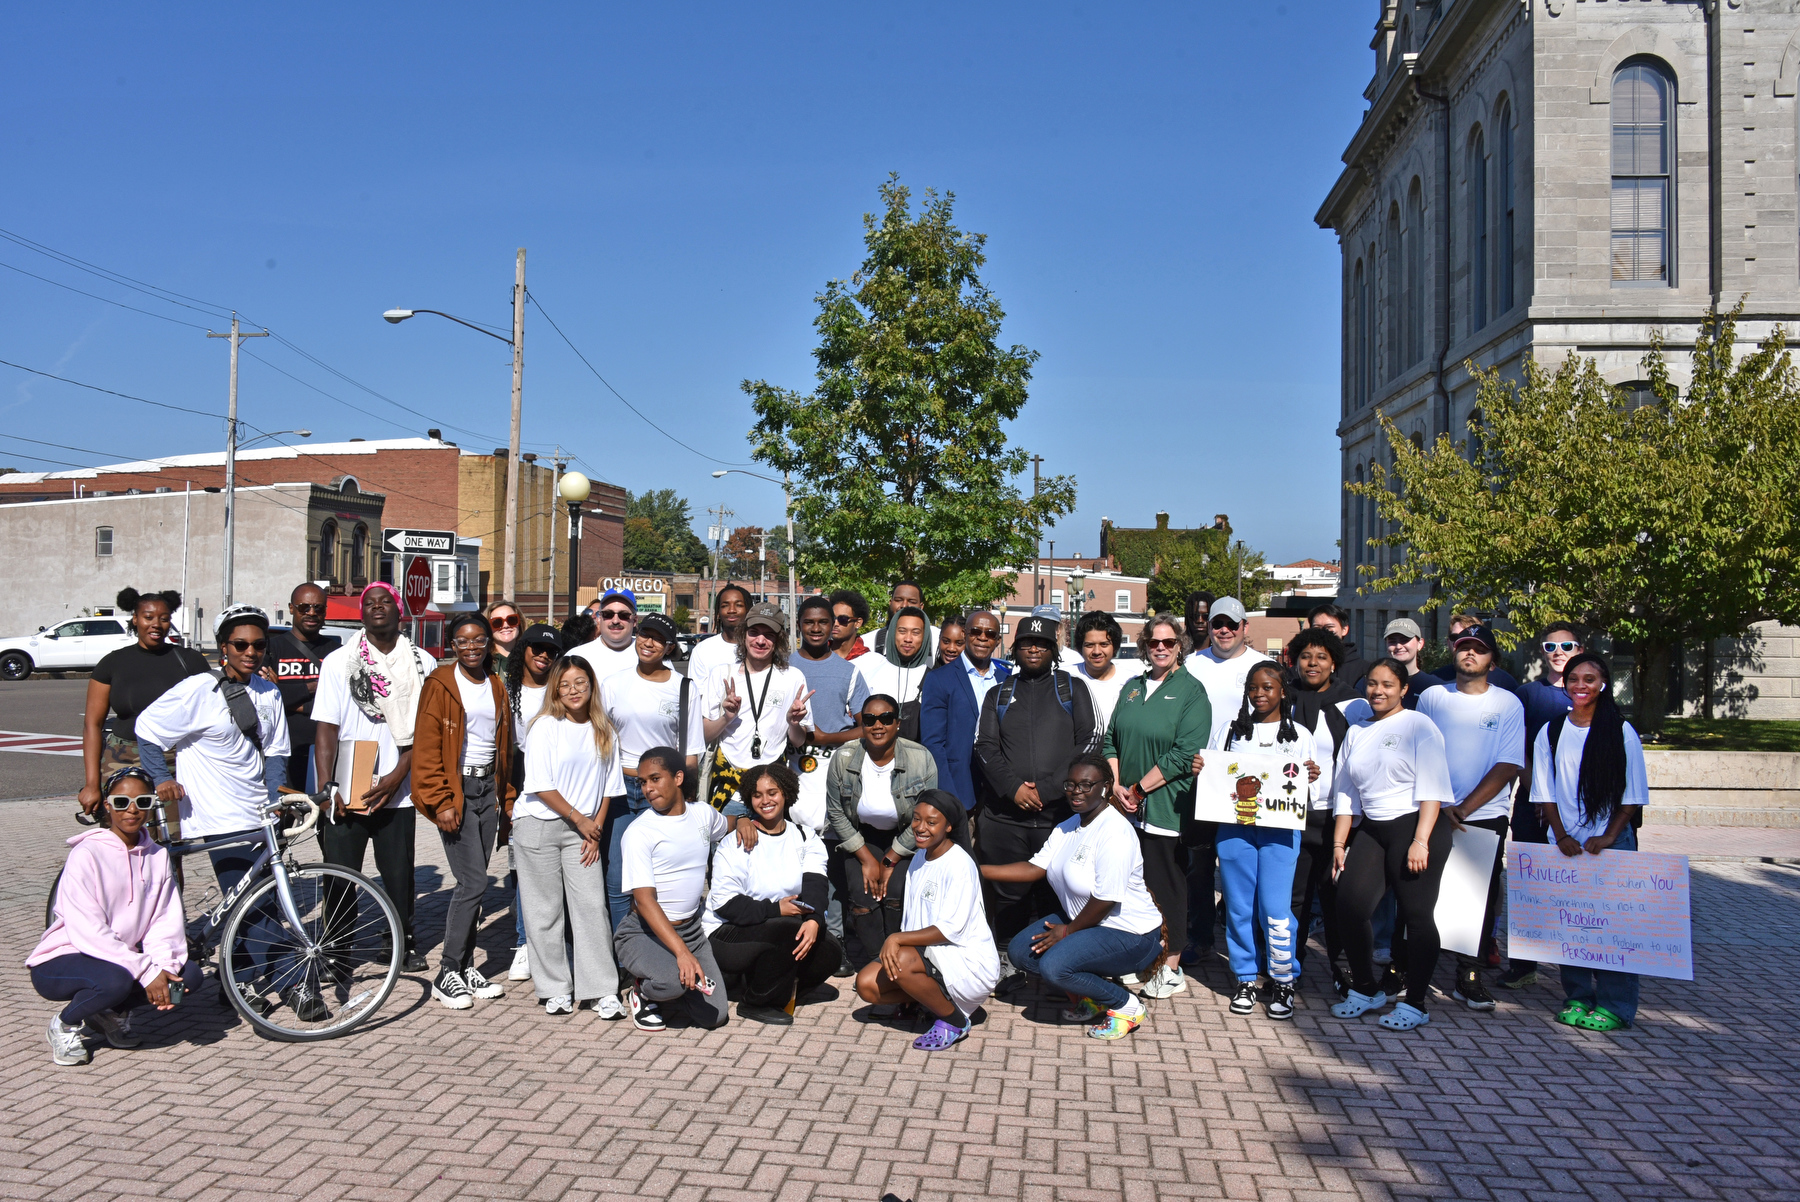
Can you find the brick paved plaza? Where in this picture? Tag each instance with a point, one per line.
(503, 1102)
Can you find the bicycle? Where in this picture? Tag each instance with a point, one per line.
(326, 931)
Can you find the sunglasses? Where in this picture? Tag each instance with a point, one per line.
(542, 648)
(984, 634)
(469, 644)
(309, 609)
(843, 620)
(1170, 644)
(247, 644)
(888, 719)
(616, 615)
(1224, 623)
(510, 622)
(121, 803)
(1565, 645)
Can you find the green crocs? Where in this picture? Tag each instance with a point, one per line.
(1573, 1012)
(1600, 1019)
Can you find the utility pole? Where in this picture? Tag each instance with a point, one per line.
(231, 442)
(1037, 584)
(720, 516)
(762, 561)
(793, 605)
(512, 445)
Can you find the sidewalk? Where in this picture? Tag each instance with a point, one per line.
(1774, 844)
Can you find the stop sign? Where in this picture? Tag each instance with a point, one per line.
(417, 585)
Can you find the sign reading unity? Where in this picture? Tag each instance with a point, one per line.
(1252, 788)
(1627, 911)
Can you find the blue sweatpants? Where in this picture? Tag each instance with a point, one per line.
(1256, 875)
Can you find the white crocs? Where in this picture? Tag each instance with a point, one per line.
(1359, 1004)
(1405, 1018)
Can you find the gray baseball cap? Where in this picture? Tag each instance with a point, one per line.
(1404, 627)
(1227, 607)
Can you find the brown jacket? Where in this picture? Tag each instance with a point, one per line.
(438, 739)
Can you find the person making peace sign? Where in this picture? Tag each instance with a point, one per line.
(755, 710)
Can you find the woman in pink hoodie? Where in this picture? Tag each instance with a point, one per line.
(119, 937)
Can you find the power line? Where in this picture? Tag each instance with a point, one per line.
(108, 300)
(167, 296)
(109, 392)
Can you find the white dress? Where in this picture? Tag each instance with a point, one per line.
(946, 893)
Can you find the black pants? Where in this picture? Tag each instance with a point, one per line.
(1527, 827)
(1376, 860)
(1166, 876)
(344, 843)
(759, 965)
(1201, 841)
(90, 985)
(1012, 905)
(1312, 879)
(1488, 944)
(467, 852)
(869, 920)
(299, 760)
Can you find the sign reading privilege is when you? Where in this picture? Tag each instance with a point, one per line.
(1627, 911)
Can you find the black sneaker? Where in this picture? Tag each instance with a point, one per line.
(1244, 1000)
(305, 1004)
(257, 1003)
(1471, 992)
(844, 968)
(1011, 983)
(1281, 1001)
(774, 1016)
(1393, 982)
(415, 961)
(1518, 976)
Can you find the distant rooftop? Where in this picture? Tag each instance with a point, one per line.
(217, 458)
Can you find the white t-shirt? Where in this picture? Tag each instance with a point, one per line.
(1314, 745)
(646, 714)
(710, 655)
(1480, 730)
(1105, 693)
(1101, 859)
(1558, 787)
(877, 808)
(604, 660)
(787, 684)
(946, 893)
(668, 852)
(560, 755)
(1389, 766)
(769, 873)
(879, 676)
(531, 703)
(220, 769)
(1223, 678)
(478, 721)
(333, 703)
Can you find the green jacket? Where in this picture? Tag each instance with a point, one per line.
(1163, 729)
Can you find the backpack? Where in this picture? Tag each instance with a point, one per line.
(1065, 695)
(1556, 729)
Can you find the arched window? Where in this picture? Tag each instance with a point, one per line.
(1392, 256)
(1359, 548)
(1505, 270)
(1359, 299)
(359, 555)
(1478, 232)
(1415, 273)
(1368, 332)
(1641, 158)
(328, 548)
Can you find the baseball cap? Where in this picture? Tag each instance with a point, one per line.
(1404, 627)
(540, 635)
(1478, 634)
(657, 626)
(1036, 627)
(1047, 611)
(766, 613)
(1227, 607)
(620, 594)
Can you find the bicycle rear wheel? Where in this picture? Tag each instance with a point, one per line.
(323, 980)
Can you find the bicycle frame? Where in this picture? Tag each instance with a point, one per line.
(270, 840)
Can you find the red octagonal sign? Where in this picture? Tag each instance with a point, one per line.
(417, 585)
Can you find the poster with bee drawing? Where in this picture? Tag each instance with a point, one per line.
(1252, 788)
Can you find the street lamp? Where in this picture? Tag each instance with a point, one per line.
(787, 501)
(1077, 596)
(574, 489)
(277, 434)
(517, 342)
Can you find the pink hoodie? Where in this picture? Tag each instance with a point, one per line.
(117, 904)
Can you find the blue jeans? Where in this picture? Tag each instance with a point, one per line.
(266, 929)
(618, 820)
(1256, 864)
(1081, 961)
(90, 985)
(1615, 991)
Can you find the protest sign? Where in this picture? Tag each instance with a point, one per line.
(1627, 911)
(1463, 889)
(1252, 788)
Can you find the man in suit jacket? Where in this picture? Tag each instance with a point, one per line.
(950, 707)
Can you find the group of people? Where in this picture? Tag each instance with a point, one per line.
(928, 818)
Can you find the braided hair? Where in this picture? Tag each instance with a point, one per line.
(1601, 786)
(1245, 722)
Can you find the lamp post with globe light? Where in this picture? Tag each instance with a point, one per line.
(574, 488)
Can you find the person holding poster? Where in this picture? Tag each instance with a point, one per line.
(1393, 774)
(1256, 863)
(1484, 738)
(1589, 783)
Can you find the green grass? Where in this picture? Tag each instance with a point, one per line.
(1728, 734)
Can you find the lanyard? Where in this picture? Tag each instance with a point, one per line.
(756, 708)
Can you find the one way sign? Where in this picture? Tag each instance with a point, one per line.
(419, 542)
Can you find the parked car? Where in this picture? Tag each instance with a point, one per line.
(75, 645)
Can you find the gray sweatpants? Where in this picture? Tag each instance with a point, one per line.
(642, 955)
(468, 852)
(553, 883)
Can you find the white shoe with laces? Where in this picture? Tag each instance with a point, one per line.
(66, 1047)
(450, 990)
(480, 986)
(1168, 981)
(521, 965)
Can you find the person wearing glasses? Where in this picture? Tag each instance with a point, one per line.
(870, 790)
(1096, 869)
(756, 710)
(118, 936)
(614, 648)
(849, 614)
(506, 623)
(293, 663)
(461, 782)
(950, 708)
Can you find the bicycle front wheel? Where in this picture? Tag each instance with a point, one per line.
(323, 979)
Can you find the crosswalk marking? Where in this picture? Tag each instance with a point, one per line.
(37, 744)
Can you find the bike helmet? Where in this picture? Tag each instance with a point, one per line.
(239, 615)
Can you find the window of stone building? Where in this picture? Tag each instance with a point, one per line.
(1359, 299)
(1391, 258)
(328, 549)
(1368, 331)
(1415, 273)
(103, 540)
(1640, 174)
(1478, 232)
(1506, 269)
(359, 556)
(1358, 548)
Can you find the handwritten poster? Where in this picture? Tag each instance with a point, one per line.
(1252, 788)
(1627, 911)
(1463, 889)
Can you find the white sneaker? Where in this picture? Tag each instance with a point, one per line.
(609, 1007)
(114, 1026)
(521, 965)
(561, 1004)
(480, 986)
(1168, 981)
(65, 1044)
(450, 990)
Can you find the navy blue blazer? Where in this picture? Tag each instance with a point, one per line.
(948, 716)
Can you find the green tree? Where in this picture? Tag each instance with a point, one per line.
(1662, 523)
(1180, 562)
(899, 454)
(659, 534)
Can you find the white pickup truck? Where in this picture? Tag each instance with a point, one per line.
(77, 644)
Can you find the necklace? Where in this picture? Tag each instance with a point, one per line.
(756, 707)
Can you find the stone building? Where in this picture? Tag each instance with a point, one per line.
(1534, 177)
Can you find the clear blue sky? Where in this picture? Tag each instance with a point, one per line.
(686, 179)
